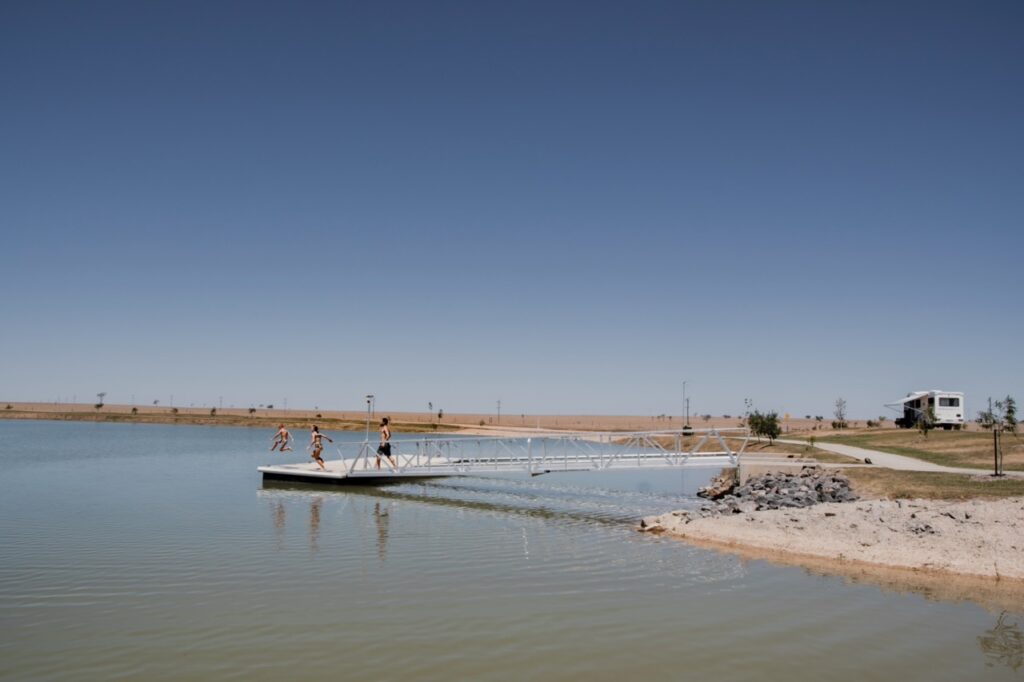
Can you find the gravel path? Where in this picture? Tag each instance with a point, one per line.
(891, 461)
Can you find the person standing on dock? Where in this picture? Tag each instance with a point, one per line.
(281, 439)
(384, 449)
(316, 442)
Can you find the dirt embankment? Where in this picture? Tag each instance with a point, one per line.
(979, 538)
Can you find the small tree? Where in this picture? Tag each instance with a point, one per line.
(155, 403)
(135, 411)
(174, 410)
(926, 420)
(766, 425)
(440, 415)
(213, 411)
(840, 414)
(706, 418)
(1008, 406)
(252, 411)
(986, 419)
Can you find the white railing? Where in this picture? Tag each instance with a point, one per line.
(545, 453)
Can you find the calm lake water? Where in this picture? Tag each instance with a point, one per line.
(156, 552)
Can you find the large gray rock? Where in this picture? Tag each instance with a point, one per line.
(812, 485)
(720, 486)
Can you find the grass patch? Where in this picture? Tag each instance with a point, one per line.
(891, 484)
(793, 451)
(949, 448)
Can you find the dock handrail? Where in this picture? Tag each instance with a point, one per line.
(545, 452)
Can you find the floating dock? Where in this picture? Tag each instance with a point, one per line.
(528, 455)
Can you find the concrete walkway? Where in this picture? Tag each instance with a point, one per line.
(891, 461)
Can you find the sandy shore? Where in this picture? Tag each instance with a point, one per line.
(977, 538)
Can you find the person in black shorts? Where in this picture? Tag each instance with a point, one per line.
(384, 449)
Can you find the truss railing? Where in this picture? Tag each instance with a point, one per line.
(545, 453)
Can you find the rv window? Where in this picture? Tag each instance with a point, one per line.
(949, 402)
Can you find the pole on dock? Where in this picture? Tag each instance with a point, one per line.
(369, 411)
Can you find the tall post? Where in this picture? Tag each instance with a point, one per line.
(686, 411)
(499, 411)
(997, 463)
(369, 412)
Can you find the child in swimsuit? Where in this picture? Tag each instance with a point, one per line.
(315, 442)
(281, 439)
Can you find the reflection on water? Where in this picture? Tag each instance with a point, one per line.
(382, 517)
(315, 503)
(185, 566)
(279, 514)
(1003, 644)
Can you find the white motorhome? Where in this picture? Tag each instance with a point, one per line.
(948, 407)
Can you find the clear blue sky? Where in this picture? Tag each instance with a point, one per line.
(571, 207)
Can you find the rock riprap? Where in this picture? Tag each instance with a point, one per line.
(779, 490)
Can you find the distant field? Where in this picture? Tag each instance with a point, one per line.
(207, 416)
(356, 419)
(950, 448)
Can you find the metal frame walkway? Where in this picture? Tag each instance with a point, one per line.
(533, 455)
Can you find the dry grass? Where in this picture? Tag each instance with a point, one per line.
(262, 418)
(891, 484)
(425, 420)
(950, 448)
(792, 451)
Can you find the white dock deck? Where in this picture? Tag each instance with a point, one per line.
(533, 456)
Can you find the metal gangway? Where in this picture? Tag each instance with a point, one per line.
(530, 454)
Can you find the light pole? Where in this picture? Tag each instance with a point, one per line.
(369, 412)
(686, 406)
(499, 411)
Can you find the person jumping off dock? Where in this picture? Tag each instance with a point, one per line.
(384, 449)
(281, 439)
(316, 442)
